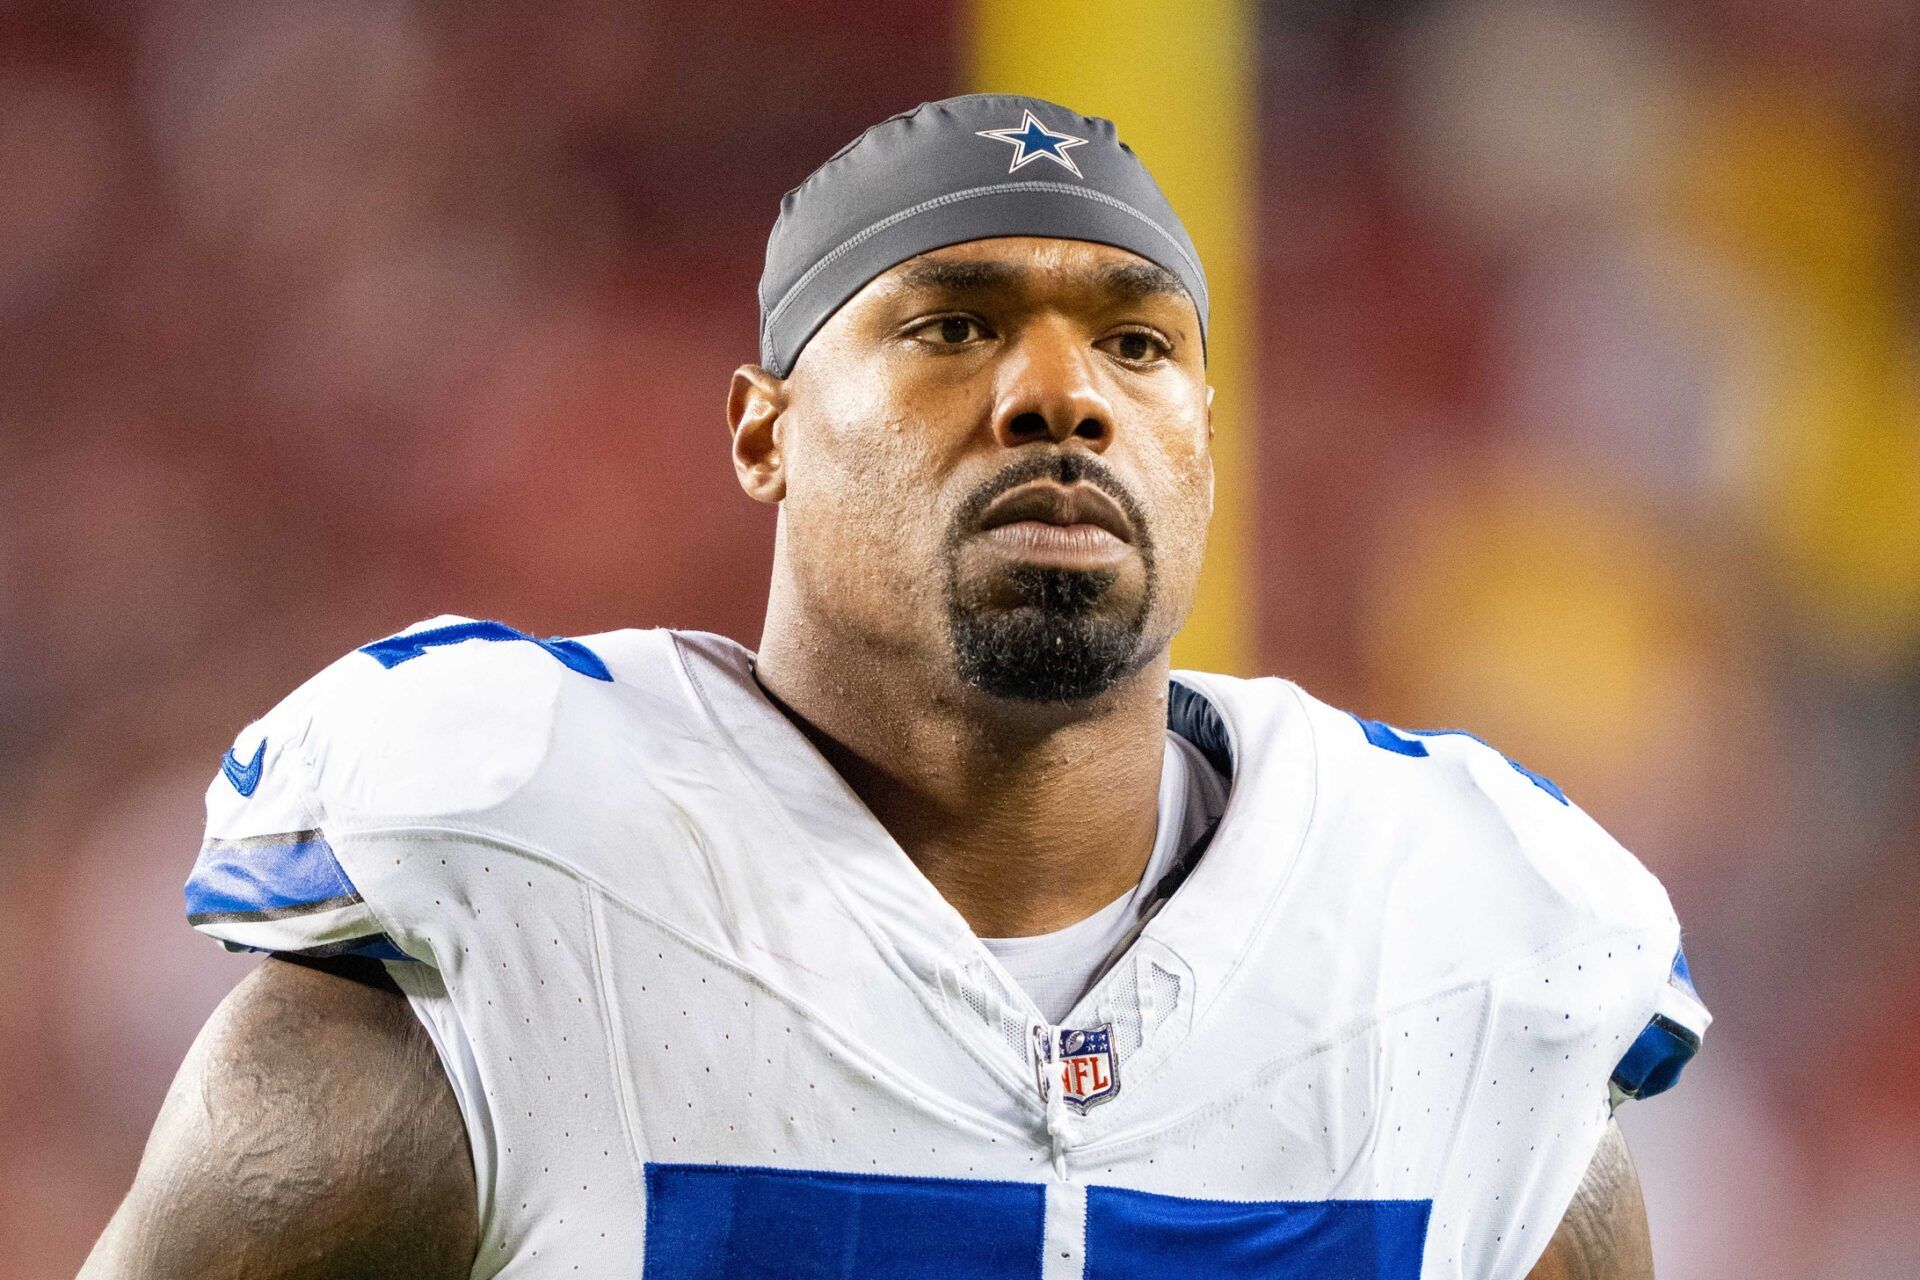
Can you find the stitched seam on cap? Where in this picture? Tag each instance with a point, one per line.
(855, 240)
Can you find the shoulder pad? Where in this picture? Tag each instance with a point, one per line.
(1570, 877)
(1459, 791)
(449, 718)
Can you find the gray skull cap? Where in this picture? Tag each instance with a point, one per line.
(966, 168)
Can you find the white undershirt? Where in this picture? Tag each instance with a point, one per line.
(1055, 969)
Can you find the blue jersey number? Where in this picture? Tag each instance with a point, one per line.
(1406, 742)
(395, 650)
(717, 1222)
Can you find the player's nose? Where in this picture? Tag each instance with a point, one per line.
(1048, 389)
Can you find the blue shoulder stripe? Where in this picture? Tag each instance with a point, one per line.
(1654, 1060)
(1653, 1063)
(266, 878)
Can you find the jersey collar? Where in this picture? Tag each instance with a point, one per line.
(1255, 732)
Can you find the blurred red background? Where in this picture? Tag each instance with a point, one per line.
(1587, 413)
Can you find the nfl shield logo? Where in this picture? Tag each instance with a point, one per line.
(1089, 1073)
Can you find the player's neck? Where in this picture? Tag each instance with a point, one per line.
(1026, 818)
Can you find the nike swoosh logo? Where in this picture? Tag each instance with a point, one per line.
(245, 777)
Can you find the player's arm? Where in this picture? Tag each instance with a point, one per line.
(310, 1135)
(1604, 1233)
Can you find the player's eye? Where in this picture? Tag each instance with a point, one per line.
(1136, 346)
(950, 331)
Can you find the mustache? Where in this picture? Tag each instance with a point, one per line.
(1063, 468)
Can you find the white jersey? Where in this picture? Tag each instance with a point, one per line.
(705, 1019)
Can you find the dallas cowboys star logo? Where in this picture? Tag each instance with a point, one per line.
(1031, 140)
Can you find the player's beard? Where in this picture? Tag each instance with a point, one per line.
(1063, 642)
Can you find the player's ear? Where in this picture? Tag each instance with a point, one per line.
(755, 401)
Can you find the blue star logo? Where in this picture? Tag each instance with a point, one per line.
(1031, 140)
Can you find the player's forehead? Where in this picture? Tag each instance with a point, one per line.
(1031, 266)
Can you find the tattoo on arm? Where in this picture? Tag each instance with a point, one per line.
(311, 1134)
(1604, 1233)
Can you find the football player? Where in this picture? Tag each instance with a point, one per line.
(951, 934)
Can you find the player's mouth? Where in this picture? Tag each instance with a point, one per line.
(1058, 526)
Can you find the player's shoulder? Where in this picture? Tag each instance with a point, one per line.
(1474, 868)
(449, 716)
(1447, 806)
(448, 735)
